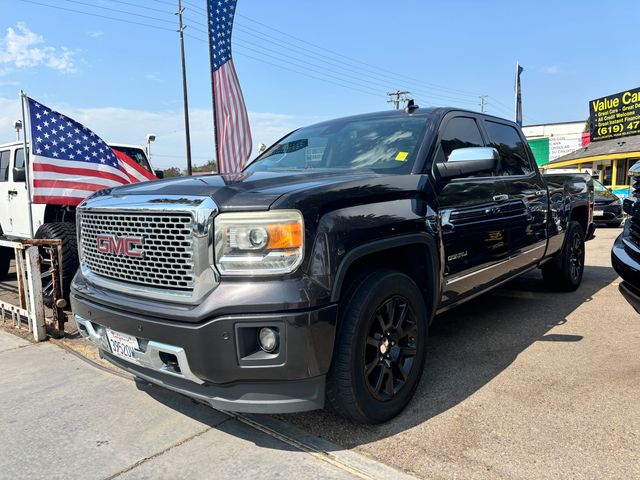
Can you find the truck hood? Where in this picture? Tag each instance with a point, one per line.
(243, 191)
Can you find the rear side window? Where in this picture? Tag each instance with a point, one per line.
(513, 153)
(4, 165)
(460, 132)
(19, 159)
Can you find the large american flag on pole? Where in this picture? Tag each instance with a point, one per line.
(68, 162)
(233, 136)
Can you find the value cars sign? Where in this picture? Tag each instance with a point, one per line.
(615, 116)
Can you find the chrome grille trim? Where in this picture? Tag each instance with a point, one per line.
(167, 247)
(177, 244)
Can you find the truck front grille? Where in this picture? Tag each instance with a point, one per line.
(163, 255)
(634, 230)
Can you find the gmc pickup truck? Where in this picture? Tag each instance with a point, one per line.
(311, 277)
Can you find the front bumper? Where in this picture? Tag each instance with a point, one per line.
(216, 360)
(625, 258)
(631, 294)
(611, 214)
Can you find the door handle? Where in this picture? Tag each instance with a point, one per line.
(13, 192)
(501, 197)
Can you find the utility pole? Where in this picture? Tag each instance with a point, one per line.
(482, 102)
(400, 97)
(184, 89)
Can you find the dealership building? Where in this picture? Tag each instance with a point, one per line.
(566, 147)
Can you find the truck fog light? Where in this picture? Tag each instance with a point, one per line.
(268, 339)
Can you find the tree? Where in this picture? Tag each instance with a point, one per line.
(172, 172)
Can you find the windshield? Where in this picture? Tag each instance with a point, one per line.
(598, 187)
(378, 144)
(136, 153)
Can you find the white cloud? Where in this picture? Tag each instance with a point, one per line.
(95, 33)
(131, 126)
(153, 76)
(22, 48)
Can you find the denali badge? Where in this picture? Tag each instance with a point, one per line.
(119, 245)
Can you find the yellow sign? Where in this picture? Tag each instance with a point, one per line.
(615, 116)
(402, 156)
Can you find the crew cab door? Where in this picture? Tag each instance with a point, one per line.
(474, 231)
(5, 157)
(18, 204)
(527, 204)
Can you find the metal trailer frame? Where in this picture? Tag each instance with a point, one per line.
(28, 271)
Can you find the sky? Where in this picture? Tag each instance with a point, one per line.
(303, 61)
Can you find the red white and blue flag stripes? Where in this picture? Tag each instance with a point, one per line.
(233, 135)
(68, 162)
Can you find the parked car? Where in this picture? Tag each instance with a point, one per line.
(49, 221)
(625, 254)
(312, 277)
(607, 211)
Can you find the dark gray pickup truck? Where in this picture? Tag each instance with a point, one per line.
(312, 276)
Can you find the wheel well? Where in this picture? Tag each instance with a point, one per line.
(414, 260)
(59, 213)
(581, 215)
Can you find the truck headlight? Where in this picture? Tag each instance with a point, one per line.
(259, 243)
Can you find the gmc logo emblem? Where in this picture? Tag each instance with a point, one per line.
(119, 245)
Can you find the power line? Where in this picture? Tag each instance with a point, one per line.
(58, 7)
(265, 38)
(387, 72)
(120, 11)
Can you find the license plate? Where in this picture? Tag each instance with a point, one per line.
(598, 213)
(123, 345)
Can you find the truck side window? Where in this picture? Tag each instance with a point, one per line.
(4, 165)
(460, 132)
(19, 159)
(507, 141)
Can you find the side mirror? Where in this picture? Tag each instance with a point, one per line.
(19, 175)
(463, 162)
(159, 173)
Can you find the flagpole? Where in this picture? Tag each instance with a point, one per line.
(515, 96)
(213, 92)
(23, 98)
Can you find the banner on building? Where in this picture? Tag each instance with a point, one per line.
(615, 116)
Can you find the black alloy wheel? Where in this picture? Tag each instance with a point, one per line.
(564, 272)
(391, 348)
(379, 351)
(576, 256)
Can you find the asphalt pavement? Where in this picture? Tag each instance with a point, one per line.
(520, 383)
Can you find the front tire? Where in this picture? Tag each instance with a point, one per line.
(564, 272)
(67, 233)
(380, 348)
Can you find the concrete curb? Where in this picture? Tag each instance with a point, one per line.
(355, 463)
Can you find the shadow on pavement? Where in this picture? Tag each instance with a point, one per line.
(468, 347)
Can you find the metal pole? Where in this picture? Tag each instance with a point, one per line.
(213, 92)
(23, 99)
(184, 90)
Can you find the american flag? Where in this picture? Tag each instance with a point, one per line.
(232, 124)
(68, 162)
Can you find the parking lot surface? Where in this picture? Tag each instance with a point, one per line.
(62, 418)
(520, 383)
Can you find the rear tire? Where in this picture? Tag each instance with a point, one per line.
(564, 272)
(6, 254)
(380, 348)
(67, 233)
